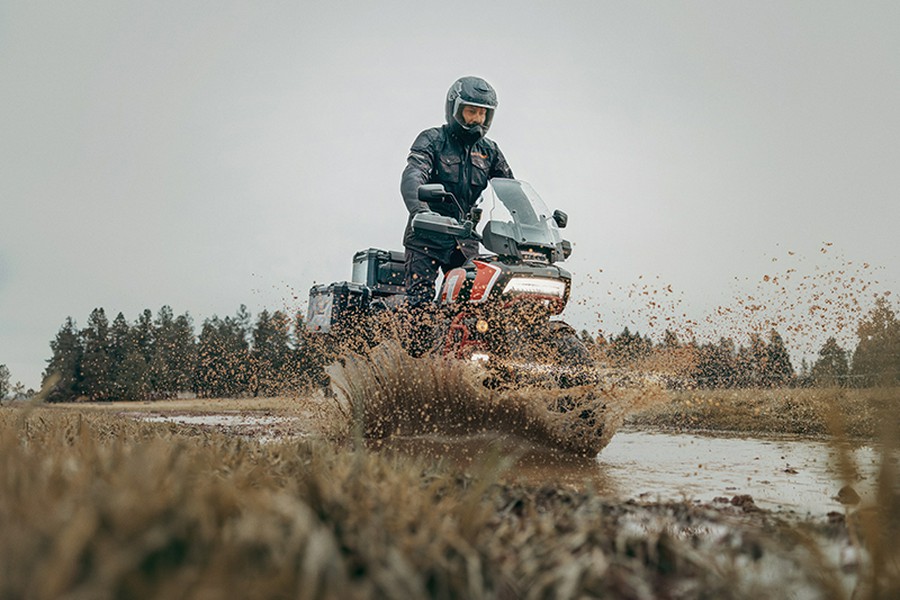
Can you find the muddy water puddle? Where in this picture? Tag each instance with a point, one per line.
(216, 420)
(264, 428)
(786, 475)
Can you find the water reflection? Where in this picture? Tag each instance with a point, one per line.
(789, 475)
(784, 474)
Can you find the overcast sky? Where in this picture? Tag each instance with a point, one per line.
(208, 154)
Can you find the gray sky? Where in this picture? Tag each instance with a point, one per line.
(208, 154)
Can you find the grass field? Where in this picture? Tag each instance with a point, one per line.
(856, 413)
(859, 413)
(94, 504)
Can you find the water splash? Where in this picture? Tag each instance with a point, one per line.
(389, 393)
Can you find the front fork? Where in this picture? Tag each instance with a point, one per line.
(464, 335)
(460, 341)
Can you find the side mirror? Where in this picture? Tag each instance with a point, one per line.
(434, 192)
(560, 217)
(567, 249)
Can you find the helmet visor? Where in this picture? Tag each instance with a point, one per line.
(482, 114)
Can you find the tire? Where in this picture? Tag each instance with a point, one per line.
(574, 354)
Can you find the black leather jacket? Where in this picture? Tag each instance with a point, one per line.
(437, 156)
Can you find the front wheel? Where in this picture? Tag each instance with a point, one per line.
(576, 363)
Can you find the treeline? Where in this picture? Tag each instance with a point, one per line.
(765, 361)
(161, 357)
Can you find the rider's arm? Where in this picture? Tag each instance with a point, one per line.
(500, 168)
(419, 168)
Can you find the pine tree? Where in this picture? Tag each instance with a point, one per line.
(133, 378)
(144, 334)
(119, 334)
(160, 375)
(96, 367)
(745, 367)
(270, 353)
(759, 357)
(4, 382)
(717, 365)
(241, 324)
(19, 393)
(728, 368)
(183, 352)
(628, 347)
(64, 366)
(209, 359)
(260, 365)
(222, 357)
(130, 373)
(876, 360)
(670, 339)
(831, 369)
(235, 334)
(173, 351)
(779, 370)
(308, 358)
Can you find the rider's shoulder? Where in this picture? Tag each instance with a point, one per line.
(430, 135)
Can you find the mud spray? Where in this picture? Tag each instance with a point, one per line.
(390, 394)
(807, 298)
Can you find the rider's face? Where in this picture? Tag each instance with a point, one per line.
(473, 115)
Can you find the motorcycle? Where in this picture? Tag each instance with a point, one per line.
(498, 310)
(500, 306)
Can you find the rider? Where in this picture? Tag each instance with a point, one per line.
(458, 156)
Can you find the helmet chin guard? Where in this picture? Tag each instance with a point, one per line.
(471, 91)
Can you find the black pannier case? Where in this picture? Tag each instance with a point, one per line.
(331, 303)
(381, 270)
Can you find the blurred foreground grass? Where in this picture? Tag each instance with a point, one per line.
(94, 505)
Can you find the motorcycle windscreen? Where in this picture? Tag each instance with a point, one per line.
(516, 217)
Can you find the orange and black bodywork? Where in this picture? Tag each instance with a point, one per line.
(487, 299)
(486, 280)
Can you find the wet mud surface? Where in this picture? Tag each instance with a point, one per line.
(787, 474)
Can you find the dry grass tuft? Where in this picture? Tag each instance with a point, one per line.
(96, 506)
(874, 527)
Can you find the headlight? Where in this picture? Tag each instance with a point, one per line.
(536, 286)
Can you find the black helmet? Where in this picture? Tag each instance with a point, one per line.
(472, 91)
